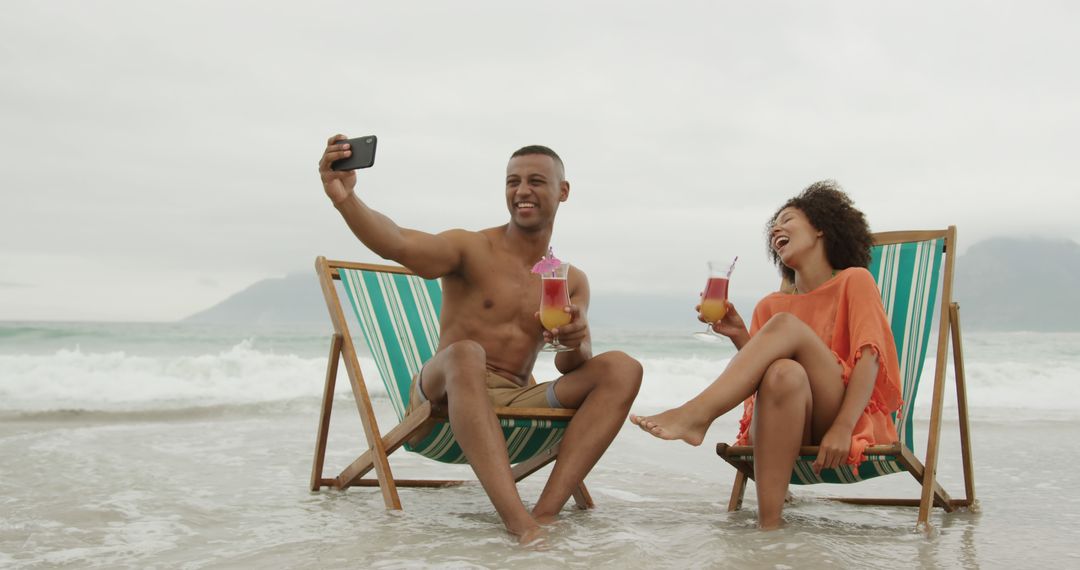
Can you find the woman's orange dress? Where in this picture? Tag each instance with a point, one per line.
(846, 313)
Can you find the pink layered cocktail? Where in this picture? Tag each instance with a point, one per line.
(714, 300)
(554, 298)
(713, 305)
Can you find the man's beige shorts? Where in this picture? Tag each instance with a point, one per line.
(503, 392)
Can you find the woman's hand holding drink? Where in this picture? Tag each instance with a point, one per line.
(714, 303)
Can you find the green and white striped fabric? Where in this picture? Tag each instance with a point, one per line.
(908, 276)
(399, 319)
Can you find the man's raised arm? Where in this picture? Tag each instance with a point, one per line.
(427, 255)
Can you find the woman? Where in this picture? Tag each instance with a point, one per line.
(818, 365)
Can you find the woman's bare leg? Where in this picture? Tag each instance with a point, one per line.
(782, 414)
(783, 337)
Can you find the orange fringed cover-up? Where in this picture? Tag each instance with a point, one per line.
(846, 313)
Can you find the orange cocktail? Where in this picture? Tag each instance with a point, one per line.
(554, 297)
(714, 300)
(713, 305)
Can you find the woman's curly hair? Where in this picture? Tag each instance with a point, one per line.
(843, 226)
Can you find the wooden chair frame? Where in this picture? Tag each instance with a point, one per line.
(923, 472)
(381, 446)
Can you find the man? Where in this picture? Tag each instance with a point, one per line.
(491, 335)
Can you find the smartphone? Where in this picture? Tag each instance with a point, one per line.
(363, 154)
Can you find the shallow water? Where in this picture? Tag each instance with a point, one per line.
(199, 455)
(232, 492)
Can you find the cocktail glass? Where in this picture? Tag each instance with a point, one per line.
(554, 298)
(714, 299)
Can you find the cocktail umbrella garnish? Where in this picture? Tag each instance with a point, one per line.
(547, 264)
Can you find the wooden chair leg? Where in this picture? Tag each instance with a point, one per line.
(352, 474)
(387, 484)
(937, 403)
(376, 447)
(922, 524)
(582, 497)
(522, 470)
(737, 491)
(534, 463)
(324, 416)
(962, 410)
(917, 470)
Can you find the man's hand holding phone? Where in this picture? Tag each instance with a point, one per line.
(337, 184)
(339, 162)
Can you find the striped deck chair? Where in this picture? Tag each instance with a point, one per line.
(911, 269)
(398, 314)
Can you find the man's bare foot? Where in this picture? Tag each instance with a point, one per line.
(676, 423)
(545, 519)
(534, 536)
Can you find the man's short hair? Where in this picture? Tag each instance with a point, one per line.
(541, 149)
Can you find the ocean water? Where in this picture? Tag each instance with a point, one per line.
(135, 445)
(140, 367)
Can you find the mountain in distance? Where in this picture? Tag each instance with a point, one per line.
(1019, 284)
(1001, 284)
(295, 298)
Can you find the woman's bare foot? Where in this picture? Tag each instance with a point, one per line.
(676, 423)
(771, 524)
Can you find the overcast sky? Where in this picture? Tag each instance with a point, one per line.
(157, 157)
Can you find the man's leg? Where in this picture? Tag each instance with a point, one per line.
(602, 390)
(457, 375)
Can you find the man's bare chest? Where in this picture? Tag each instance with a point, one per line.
(507, 297)
(497, 292)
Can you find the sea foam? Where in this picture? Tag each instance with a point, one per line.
(242, 375)
(71, 379)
